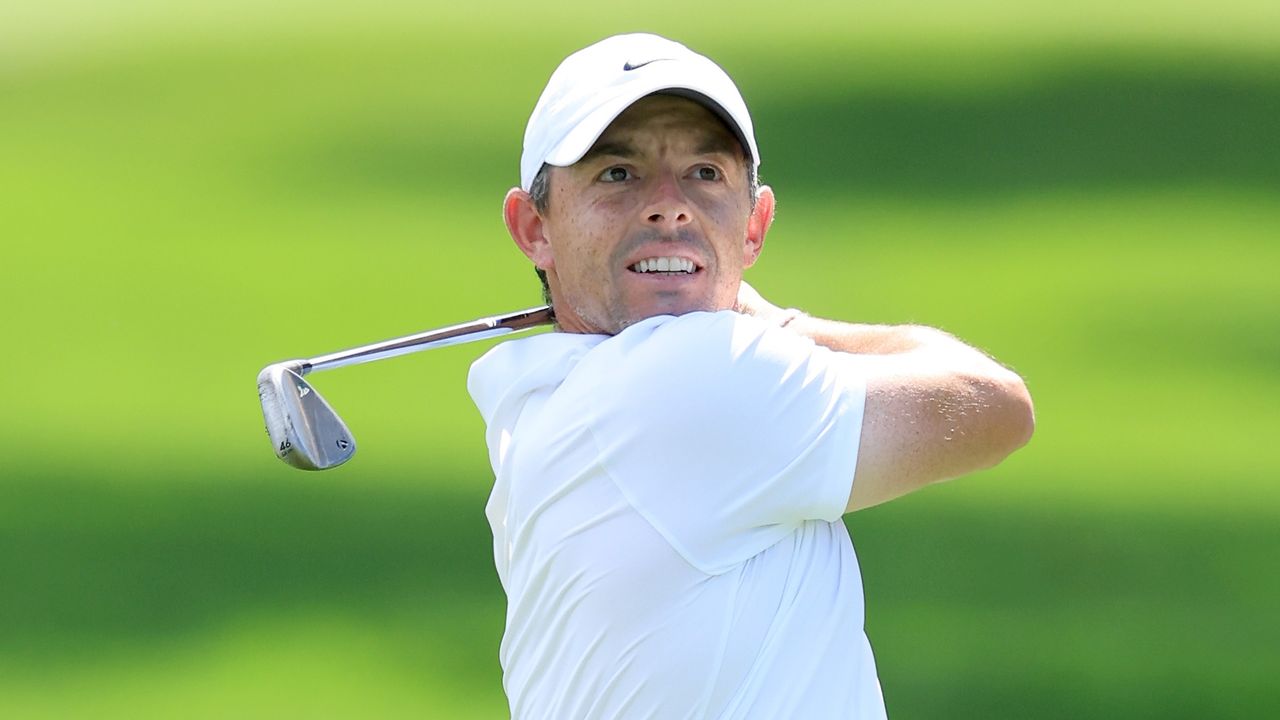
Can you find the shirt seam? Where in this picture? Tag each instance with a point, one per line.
(679, 547)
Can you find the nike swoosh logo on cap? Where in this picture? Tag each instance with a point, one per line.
(628, 67)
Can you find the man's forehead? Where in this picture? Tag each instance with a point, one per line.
(661, 114)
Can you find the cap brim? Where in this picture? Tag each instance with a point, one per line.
(574, 145)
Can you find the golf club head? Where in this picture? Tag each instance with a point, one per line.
(304, 429)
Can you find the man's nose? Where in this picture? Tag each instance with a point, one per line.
(668, 207)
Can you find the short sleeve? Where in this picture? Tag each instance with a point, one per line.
(725, 433)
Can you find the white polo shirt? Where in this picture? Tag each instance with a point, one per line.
(667, 523)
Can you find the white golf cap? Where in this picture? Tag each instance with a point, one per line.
(596, 84)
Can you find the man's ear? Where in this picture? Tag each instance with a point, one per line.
(758, 225)
(525, 224)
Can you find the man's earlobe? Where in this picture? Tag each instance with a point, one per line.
(525, 224)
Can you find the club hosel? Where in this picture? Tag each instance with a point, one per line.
(298, 367)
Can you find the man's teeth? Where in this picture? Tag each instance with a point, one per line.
(664, 264)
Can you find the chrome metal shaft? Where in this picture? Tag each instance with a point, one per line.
(453, 335)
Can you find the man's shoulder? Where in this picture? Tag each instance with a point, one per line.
(712, 341)
(683, 353)
(703, 357)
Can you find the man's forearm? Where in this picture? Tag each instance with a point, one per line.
(859, 338)
(839, 336)
(910, 346)
(905, 346)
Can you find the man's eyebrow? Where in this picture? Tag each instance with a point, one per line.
(719, 144)
(616, 149)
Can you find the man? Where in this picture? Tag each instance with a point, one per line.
(673, 464)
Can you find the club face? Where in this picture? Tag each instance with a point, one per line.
(304, 429)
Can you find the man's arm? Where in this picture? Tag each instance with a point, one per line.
(936, 408)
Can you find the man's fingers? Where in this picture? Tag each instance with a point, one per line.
(750, 302)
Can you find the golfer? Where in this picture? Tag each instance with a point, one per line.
(673, 464)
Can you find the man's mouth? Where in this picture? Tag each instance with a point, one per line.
(665, 266)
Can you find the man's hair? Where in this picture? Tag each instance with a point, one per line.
(540, 193)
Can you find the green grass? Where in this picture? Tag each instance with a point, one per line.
(1089, 193)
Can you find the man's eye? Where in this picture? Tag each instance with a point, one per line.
(706, 172)
(615, 174)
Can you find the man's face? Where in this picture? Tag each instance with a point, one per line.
(655, 219)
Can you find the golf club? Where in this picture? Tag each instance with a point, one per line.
(304, 429)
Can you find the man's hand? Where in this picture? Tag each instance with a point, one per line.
(753, 303)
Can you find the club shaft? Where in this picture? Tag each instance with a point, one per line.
(480, 329)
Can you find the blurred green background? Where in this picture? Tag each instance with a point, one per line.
(1088, 190)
